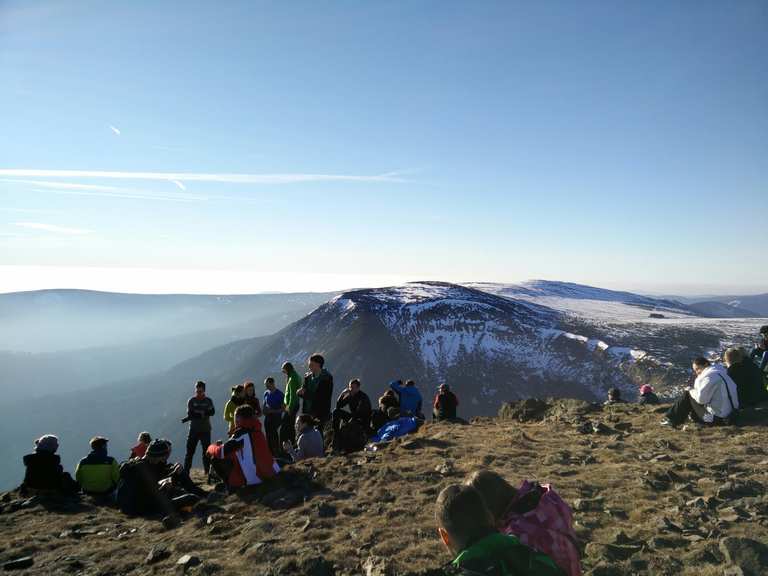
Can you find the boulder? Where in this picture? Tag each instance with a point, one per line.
(377, 566)
(187, 561)
(157, 553)
(750, 556)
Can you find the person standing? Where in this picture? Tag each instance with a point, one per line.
(273, 414)
(410, 397)
(199, 411)
(291, 401)
(251, 399)
(235, 401)
(317, 390)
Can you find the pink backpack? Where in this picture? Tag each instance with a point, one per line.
(542, 520)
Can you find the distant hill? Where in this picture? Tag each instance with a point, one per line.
(62, 320)
(714, 309)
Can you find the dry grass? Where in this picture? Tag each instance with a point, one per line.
(383, 503)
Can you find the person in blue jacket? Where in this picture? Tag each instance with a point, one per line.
(410, 397)
(398, 426)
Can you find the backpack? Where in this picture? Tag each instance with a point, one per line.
(541, 519)
(733, 418)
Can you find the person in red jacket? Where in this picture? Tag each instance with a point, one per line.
(244, 459)
(140, 449)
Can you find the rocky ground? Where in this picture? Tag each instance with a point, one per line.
(647, 500)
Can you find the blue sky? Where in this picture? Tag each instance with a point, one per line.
(249, 146)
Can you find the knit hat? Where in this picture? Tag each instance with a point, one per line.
(645, 389)
(47, 443)
(158, 448)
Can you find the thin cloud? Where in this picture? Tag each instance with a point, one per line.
(180, 185)
(185, 177)
(96, 190)
(61, 185)
(52, 228)
(115, 130)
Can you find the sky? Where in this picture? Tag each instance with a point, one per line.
(244, 146)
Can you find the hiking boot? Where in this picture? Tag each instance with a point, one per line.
(667, 422)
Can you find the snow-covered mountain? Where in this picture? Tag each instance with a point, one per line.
(588, 301)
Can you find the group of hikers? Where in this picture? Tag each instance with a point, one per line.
(490, 527)
(299, 422)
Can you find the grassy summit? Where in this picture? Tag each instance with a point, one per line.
(647, 500)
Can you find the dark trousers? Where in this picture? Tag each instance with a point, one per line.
(272, 425)
(339, 416)
(684, 407)
(288, 427)
(204, 438)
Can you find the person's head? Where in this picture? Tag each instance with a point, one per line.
(444, 388)
(764, 336)
(733, 356)
(145, 438)
(269, 383)
(244, 415)
(393, 413)
(238, 391)
(614, 394)
(159, 450)
(200, 388)
(316, 363)
(410, 383)
(47, 443)
(249, 389)
(287, 368)
(495, 491)
(305, 421)
(462, 517)
(646, 389)
(98, 443)
(699, 365)
(353, 386)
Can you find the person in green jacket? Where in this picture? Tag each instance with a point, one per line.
(98, 472)
(291, 402)
(466, 528)
(237, 399)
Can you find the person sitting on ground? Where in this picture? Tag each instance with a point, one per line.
(747, 376)
(98, 473)
(151, 485)
(711, 400)
(245, 459)
(358, 416)
(409, 396)
(445, 404)
(533, 513)
(251, 399)
(614, 397)
(380, 416)
(291, 403)
(140, 449)
(310, 443)
(759, 354)
(273, 414)
(466, 528)
(43, 471)
(396, 427)
(236, 400)
(647, 395)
